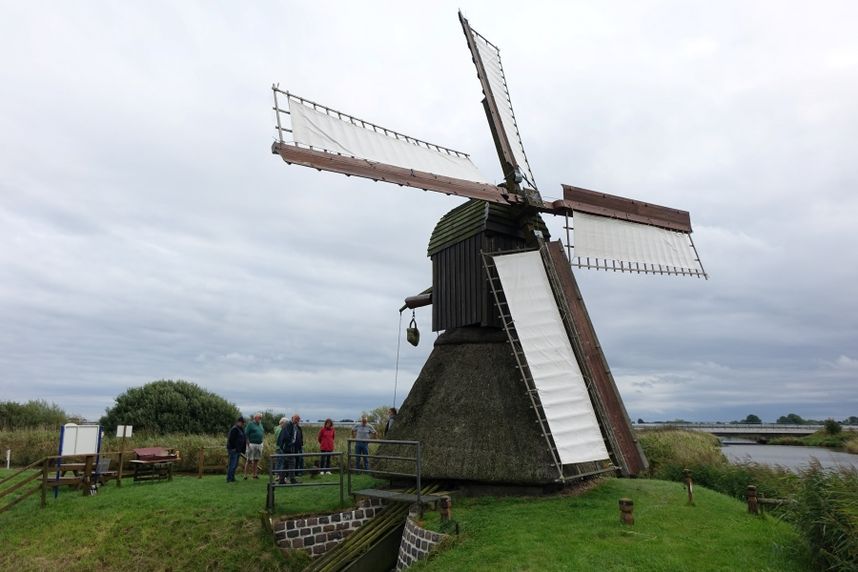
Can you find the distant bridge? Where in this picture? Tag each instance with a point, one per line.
(742, 429)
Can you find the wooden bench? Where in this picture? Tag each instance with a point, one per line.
(154, 464)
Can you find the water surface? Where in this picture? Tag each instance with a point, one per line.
(787, 456)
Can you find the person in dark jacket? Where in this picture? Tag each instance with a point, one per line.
(235, 445)
(291, 440)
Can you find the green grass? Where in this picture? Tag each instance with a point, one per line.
(186, 524)
(845, 440)
(584, 533)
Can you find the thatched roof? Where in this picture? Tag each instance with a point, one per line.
(470, 410)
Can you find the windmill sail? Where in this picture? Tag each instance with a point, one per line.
(624, 235)
(556, 374)
(486, 57)
(321, 128)
(322, 138)
(630, 243)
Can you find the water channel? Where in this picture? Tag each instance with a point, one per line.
(790, 457)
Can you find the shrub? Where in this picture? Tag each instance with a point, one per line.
(826, 512)
(832, 427)
(33, 414)
(169, 406)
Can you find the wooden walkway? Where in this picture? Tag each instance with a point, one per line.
(396, 496)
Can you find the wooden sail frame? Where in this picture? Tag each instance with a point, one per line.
(500, 133)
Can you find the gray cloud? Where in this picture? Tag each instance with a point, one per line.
(148, 233)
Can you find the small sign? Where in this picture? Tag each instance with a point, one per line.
(123, 430)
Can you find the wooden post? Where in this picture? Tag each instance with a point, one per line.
(86, 479)
(201, 459)
(121, 457)
(751, 495)
(627, 507)
(446, 508)
(689, 485)
(44, 482)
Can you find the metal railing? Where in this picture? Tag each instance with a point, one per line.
(416, 459)
(283, 472)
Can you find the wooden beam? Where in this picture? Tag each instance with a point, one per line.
(391, 174)
(594, 202)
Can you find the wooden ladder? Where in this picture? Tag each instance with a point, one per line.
(520, 359)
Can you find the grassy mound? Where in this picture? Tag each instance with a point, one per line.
(186, 524)
(584, 533)
(823, 503)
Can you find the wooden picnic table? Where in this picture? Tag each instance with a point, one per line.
(154, 464)
(156, 470)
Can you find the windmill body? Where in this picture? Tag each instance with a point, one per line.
(517, 389)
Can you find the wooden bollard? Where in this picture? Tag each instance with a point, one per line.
(445, 506)
(753, 504)
(627, 507)
(689, 485)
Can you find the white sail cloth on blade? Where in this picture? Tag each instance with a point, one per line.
(551, 359)
(608, 238)
(494, 71)
(321, 130)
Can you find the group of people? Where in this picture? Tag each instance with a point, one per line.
(247, 438)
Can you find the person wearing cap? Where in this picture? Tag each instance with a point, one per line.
(255, 433)
(235, 443)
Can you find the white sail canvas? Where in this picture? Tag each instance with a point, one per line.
(324, 131)
(607, 238)
(551, 359)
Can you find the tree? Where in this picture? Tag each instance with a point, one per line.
(270, 420)
(791, 419)
(168, 406)
(751, 419)
(33, 414)
(832, 427)
(377, 417)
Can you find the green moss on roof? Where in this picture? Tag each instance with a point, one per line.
(474, 217)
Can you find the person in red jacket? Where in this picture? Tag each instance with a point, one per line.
(326, 445)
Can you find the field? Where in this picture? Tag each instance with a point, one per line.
(207, 524)
(186, 524)
(584, 533)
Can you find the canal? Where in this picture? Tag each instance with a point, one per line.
(790, 457)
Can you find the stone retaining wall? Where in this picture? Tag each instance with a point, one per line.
(319, 533)
(416, 543)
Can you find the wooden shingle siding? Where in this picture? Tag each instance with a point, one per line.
(460, 292)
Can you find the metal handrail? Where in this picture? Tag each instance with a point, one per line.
(272, 485)
(417, 461)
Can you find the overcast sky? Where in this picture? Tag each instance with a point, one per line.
(147, 232)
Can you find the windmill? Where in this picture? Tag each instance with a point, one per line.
(517, 389)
